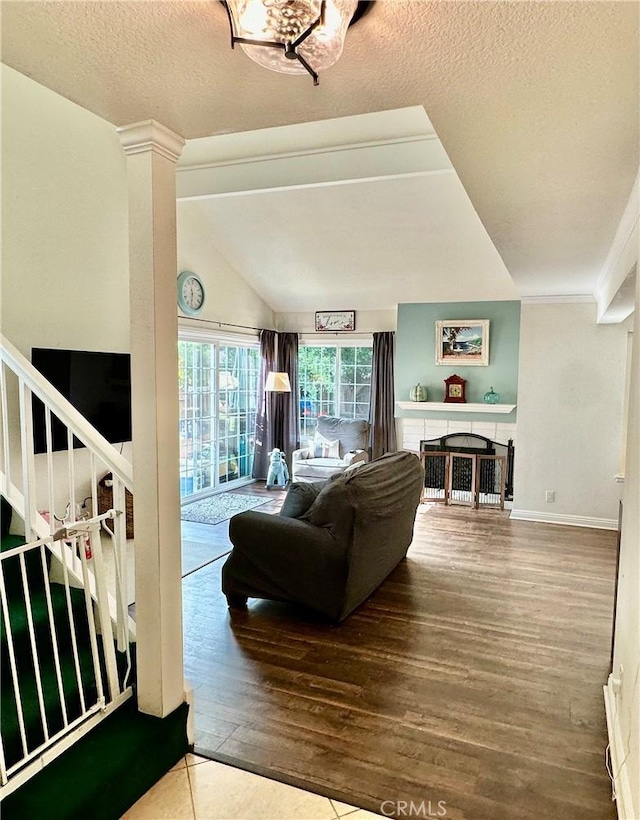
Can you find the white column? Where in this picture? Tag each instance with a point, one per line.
(152, 151)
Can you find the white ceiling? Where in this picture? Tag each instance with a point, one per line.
(535, 104)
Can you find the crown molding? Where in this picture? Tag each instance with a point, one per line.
(620, 262)
(558, 299)
(628, 223)
(149, 135)
(308, 152)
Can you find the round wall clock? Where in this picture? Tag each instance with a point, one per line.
(190, 293)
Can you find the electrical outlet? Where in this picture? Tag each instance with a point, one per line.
(550, 496)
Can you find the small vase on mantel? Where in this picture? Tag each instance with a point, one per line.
(491, 397)
(418, 393)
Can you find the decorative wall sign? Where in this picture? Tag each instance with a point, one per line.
(335, 321)
(462, 342)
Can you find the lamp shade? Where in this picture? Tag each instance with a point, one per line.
(277, 383)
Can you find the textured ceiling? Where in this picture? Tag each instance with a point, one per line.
(535, 103)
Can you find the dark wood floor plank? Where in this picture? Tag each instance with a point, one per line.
(473, 675)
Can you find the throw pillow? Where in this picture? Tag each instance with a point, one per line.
(332, 510)
(300, 497)
(323, 448)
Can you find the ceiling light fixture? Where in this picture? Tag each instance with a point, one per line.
(293, 36)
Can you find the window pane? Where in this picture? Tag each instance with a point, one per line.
(317, 377)
(333, 382)
(348, 355)
(365, 355)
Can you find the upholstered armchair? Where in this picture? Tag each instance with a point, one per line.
(338, 444)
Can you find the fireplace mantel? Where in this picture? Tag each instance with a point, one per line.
(448, 407)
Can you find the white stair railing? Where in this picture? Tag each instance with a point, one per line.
(77, 653)
(62, 484)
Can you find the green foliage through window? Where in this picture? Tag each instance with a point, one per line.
(334, 381)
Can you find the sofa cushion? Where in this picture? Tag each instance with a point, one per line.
(299, 498)
(315, 469)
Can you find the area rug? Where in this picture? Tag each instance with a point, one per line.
(217, 508)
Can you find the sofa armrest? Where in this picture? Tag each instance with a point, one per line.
(300, 455)
(354, 456)
(285, 559)
(291, 539)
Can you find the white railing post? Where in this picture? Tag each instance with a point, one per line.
(6, 453)
(102, 606)
(28, 459)
(121, 563)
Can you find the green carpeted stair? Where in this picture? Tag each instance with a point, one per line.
(107, 770)
(25, 666)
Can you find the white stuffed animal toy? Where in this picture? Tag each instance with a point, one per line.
(278, 475)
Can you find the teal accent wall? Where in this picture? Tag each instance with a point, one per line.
(416, 355)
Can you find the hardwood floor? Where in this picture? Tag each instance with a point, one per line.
(472, 676)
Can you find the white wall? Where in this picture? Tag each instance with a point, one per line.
(65, 274)
(367, 321)
(228, 298)
(570, 409)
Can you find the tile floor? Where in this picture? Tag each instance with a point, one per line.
(201, 789)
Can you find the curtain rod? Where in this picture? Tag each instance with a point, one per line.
(226, 324)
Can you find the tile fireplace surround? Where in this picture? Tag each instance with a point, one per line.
(411, 431)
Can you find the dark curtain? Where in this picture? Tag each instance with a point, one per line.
(383, 427)
(266, 412)
(288, 403)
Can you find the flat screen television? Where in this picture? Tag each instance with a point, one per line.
(98, 385)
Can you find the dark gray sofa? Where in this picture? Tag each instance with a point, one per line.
(332, 544)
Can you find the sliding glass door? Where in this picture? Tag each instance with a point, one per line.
(218, 393)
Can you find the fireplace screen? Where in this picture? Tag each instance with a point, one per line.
(467, 469)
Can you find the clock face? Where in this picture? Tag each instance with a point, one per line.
(455, 391)
(190, 293)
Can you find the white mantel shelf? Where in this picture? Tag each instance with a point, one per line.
(455, 407)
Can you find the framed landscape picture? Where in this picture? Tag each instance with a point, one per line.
(462, 341)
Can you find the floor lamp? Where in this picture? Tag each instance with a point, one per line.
(278, 383)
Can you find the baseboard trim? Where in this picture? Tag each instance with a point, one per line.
(624, 802)
(568, 520)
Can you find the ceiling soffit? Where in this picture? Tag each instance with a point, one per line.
(536, 103)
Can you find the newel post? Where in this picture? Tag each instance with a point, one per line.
(152, 152)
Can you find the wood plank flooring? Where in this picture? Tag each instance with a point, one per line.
(472, 676)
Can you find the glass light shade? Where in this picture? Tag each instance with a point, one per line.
(283, 21)
(277, 383)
